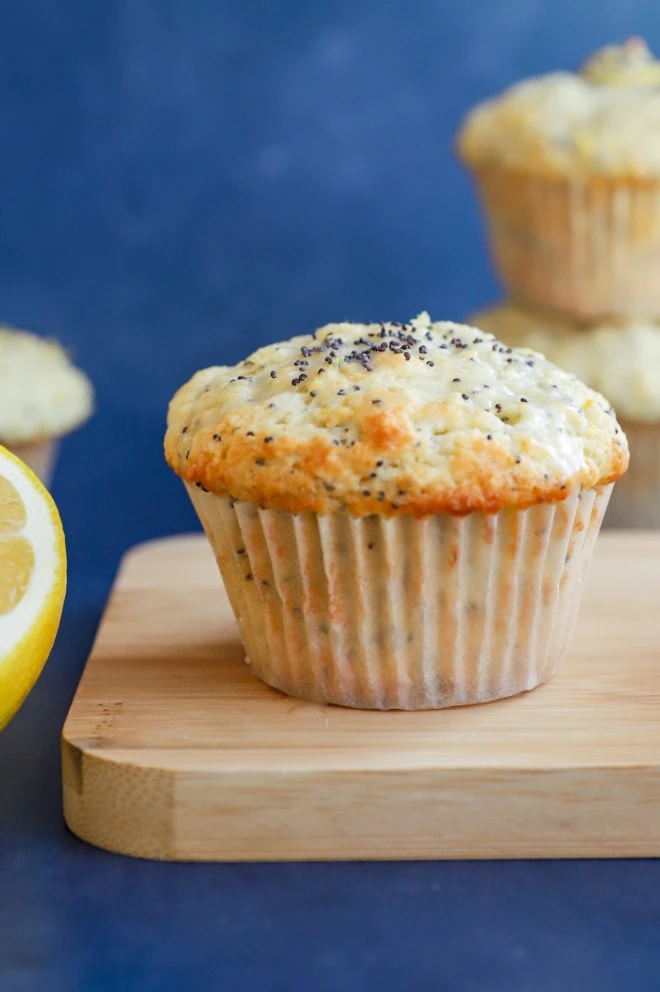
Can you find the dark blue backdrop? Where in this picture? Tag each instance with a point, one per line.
(181, 181)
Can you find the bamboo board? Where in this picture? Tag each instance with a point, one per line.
(173, 750)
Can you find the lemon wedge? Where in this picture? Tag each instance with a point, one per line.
(32, 581)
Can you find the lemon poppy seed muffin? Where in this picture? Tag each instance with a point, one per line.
(621, 358)
(43, 396)
(601, 121)
(568, 166)
(402, 513)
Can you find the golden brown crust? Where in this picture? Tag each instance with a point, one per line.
(538, 169)
(542, 168)
(464, 425)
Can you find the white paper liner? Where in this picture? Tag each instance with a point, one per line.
(636, 500)
(403, 613)
(586, 249)
(40, 456)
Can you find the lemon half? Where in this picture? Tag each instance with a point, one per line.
(32, 580)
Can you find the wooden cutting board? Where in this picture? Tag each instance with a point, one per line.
(172, 749)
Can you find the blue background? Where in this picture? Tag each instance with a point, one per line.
(181, 181)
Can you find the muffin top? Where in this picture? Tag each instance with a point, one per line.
(392, 418)
(620, 358)
(41, 393)
(603, 120)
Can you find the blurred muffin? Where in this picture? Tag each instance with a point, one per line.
(42, 397)
(402, 513)
(568, 167)
(620, 358)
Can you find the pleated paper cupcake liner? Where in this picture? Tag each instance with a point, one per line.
(636, 499)
(402, 613)
(587, 249)
(40, 456)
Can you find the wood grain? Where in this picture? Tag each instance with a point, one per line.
(173, 750)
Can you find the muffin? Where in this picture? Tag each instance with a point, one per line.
(568, 168)
(42, 397)
(402, 513)
(620, 358)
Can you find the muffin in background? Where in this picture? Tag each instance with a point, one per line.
(620, 358)
(42, 397)
(403, 514)
(568, 168)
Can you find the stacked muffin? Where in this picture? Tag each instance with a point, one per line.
(568, 169)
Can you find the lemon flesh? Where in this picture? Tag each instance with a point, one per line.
(32, 581)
